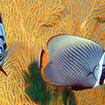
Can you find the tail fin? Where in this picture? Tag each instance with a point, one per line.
(43, 58)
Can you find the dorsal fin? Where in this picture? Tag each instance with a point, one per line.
(53, 37)
(56, 43)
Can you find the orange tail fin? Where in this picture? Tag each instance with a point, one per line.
(43, 58)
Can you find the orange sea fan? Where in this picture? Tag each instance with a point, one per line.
(32, 23)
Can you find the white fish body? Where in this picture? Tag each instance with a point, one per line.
(74, 61)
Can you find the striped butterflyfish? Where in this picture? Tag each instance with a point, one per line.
(73, 61)
(3, 46)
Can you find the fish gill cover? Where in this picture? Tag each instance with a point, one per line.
(31, 23)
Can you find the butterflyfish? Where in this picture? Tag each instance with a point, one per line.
(73, 61)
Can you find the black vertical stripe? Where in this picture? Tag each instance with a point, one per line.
(0, 18)
(101, 80)
(102, 77)
(5, 46)
(2, 58)
(2, 37)
(3, 71)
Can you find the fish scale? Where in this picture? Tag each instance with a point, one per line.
(75, 58)
(75, 62)
(73, 71)
(72, 62)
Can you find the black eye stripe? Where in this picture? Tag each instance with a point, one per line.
(2, 58)
(103, 71)
(5, 46)
(101, 80)
(1, 50)
(102, 77)
(1, 18)
(2, 37)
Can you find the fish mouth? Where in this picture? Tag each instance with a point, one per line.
(3, 70)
